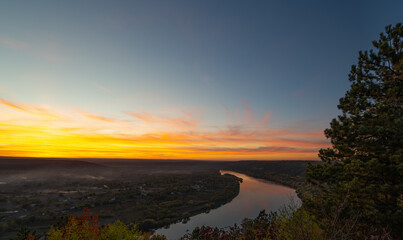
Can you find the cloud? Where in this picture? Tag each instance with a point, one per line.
(98, 117)
(93, 116)
(248, 113)
(254, 150)
(42, 131)
(246, 118)
(184, 122)
(48, 51)
(264, 121)
(50, 56)
(12, 105)
(34, 110)
(101, 87)
(144, 116)
(13, 43)
(228, 113)
(206, 79)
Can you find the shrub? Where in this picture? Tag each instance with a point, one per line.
(87, 227)
(120, 231)
(78, 227)
(295, 223)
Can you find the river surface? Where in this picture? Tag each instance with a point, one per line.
(254, 196)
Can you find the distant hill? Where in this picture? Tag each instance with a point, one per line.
(289, 167)
(289, 173)
(14, 166)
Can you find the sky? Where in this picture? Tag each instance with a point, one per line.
(209, 80)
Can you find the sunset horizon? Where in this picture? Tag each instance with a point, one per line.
(188, 120)
(43, 131)
(175, 80)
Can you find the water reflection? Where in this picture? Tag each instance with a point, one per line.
(254, 196)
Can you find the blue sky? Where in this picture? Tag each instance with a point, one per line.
(226, 63)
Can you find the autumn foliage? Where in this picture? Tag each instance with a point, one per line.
(84, 226)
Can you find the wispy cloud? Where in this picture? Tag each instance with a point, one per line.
(50, 56)
(49, 51)
(207, 79)
(264, 121)
(33, 130)
(245, 116)
(255, 150)
(101, 87)
(34, 110)
(184, 122)
(94, 116)
(248, 113)
(13, 43)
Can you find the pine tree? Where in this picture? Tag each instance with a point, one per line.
(362, 172)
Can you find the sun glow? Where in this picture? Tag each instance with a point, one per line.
(42, 131)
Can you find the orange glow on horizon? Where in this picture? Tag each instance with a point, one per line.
(38, 131)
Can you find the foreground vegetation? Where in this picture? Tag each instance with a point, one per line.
(87, 227)
(280, 225)
(361, 180)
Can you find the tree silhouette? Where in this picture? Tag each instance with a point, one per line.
(363, 169)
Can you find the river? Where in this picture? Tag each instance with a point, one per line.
(254, 196)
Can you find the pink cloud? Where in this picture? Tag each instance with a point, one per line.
(175, 136)
(264, 121)
(32, 109)
(248, 113)
(96, 117)
(207, 79)
(101, 87)
(49, 51)
(13, 43)
(185, 122)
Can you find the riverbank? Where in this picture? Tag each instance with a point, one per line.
(287, 173)
(254, 196)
